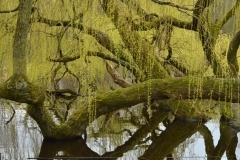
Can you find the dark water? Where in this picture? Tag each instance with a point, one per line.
(22, 139)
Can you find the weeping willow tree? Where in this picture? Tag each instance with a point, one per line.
(59, 45)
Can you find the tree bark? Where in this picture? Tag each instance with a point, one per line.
(232, 54)
(20, 39)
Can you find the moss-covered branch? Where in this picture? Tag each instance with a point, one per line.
(208, 37)
(152, 20)
(232, 54)
(198, 9)
(162, 89)
(157, 21)
(19, 89)
(200, 6)
(135, 70)
(170, 88)
(220, 22)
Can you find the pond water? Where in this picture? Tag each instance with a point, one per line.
(21, 139)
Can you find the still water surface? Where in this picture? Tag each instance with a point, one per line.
(22, 139)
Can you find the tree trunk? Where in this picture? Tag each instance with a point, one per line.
(20, 39)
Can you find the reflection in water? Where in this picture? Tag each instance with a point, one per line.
(66, 148)
(123, 134)
(21, 138)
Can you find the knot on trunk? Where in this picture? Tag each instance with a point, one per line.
(19, 89)
(17, 82)
(20, 84)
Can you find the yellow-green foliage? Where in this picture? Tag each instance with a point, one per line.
(7, 27)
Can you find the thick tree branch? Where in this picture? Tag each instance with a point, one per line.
(162, 89)
(152, 20)
(220, 22)
(170, 88)
(104, 40)
(157, 21)
(200, 6)
(232, 54)
(133, 68)
(20, 38)
(197, 12)
(17, 88)
(179, 66)
(208, 38)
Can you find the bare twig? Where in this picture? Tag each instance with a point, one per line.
(173, 5)
(10, 11)
(64, 59)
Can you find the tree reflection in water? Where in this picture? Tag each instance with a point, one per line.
(158, 139)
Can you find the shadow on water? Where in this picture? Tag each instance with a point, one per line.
(159, 139)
